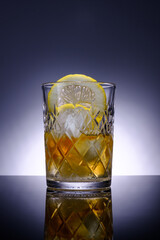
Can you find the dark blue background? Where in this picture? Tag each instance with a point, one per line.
(135, 207)
(115, 41)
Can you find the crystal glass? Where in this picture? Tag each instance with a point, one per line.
(78, 130)
(78, 215)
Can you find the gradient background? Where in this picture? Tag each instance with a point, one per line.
(116, 41)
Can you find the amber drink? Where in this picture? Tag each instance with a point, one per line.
(78, 121)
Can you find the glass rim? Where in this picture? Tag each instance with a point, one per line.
(107, 84)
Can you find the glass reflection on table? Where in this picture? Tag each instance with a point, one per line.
(78, 215)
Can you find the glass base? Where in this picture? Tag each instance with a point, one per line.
(79, 185)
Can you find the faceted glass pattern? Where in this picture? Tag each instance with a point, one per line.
(78, 134)
(78, 217)
(87, 157)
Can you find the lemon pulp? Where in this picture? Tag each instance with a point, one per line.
(77, 90)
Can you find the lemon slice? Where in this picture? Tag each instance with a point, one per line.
(76, 77)
(76, 90)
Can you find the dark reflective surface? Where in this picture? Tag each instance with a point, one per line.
(78, 215)
(135, 208)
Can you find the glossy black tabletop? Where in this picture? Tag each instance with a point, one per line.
(135, 207)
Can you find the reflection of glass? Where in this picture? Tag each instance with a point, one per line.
(78, 120)
(78, 216)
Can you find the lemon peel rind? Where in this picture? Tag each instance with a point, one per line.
(78, 77)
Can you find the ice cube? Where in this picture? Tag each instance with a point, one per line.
(71, 126)
(74, 122)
